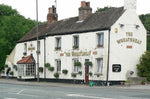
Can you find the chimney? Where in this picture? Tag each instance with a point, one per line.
(52, 15)
(130, 4)
(84, 10)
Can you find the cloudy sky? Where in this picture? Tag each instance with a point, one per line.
(67, 8)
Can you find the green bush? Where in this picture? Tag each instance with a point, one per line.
(144, 65)
(65, 71)
(73, 75)
(56, 75)
(5, 66)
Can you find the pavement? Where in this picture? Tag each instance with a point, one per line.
(52, 84)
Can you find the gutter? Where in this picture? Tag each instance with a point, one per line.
(107, 79)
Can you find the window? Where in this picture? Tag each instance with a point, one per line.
(75, 68)
(26, 69)
(25, 49)
(39, 45)
(100, 65)
(76, 42)
(58, 43)
(100, 39)
(58, 64)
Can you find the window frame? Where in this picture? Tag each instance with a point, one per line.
(99, 66)
(58, 43)
(57, 65)
(75, 41)
(100, 43)
(75, 68)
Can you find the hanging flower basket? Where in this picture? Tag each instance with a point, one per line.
(65, 71)
(56, 75)
(77, 64)
(88, 63)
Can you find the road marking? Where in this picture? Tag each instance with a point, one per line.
(24, 95)
(83, 96)
(10, 98)
(20, 91)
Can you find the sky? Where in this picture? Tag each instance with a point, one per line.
(67, 8)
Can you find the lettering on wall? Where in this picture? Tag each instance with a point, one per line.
(129, 38)
(31, 48)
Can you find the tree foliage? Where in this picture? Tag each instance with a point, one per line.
(146, 21)
(144, 65)
(12, 27)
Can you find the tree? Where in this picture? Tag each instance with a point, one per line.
(144, 65)
(13, 26)
(146, 22)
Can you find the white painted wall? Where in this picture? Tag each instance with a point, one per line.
(119, 54)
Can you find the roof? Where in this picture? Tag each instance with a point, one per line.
(94, 22)
(26, 60)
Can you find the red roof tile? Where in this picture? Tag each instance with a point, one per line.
(26, 60)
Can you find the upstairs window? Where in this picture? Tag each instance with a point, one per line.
(25, 49)
(58, 64)
(58, 43)
(100, 40)
(76, 42)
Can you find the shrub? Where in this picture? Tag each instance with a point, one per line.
(56, 75)
(73, 75)
(41, 69)
(47, 65)
(88, 63)
(144, 65)
(65, 71)
(51, 68)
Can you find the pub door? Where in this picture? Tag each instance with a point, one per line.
(86, 72)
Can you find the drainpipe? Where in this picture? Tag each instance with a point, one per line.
(107, 82)
(45, 56)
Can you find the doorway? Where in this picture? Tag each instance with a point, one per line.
(86, 72)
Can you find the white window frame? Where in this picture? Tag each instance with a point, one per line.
(75, 68)
(25, 47)
(100, 65)
(58, 42)
(100, 39)
(58, 65)
(76, 41)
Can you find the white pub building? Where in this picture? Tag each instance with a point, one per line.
(103, 47)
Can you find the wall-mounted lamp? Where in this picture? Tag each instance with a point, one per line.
(137, 26)
(121, 25)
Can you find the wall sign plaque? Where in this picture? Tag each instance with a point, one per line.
(116, 68)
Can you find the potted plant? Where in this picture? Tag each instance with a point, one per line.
(73, 75)
(77, 64)
(90, 73)
(127, 82)
(56, 75)
(88, 63)
(41, 69)
(75, 47)
(143, 82)
(51, 68)
(65, 71)
(80, 72)
(47, 65)
(11, 73)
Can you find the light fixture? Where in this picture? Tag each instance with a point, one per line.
(137, 26)
(121, 25)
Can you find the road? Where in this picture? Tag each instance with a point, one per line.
(14, 91)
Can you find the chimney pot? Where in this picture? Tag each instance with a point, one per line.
(84, 10)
